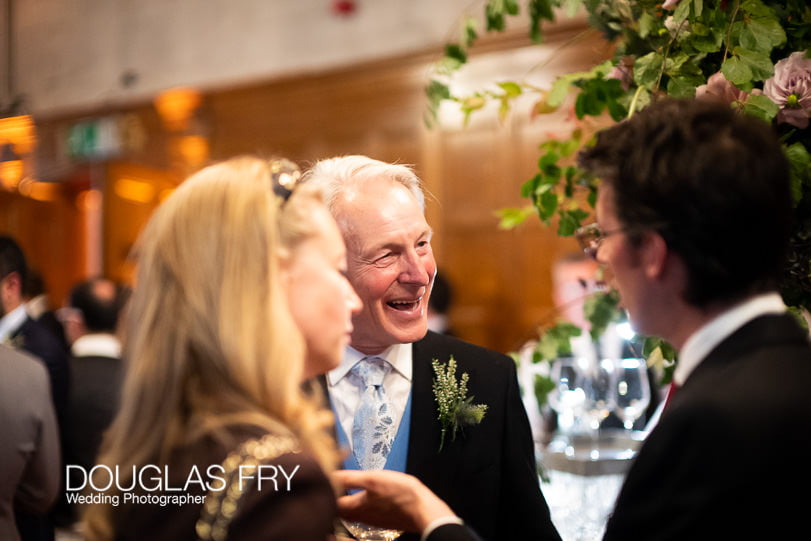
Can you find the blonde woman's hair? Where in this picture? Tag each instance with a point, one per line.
(209, 339)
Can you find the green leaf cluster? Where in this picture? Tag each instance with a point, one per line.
(455, 409)
(658, 52)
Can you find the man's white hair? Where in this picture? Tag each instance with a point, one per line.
(333, 176)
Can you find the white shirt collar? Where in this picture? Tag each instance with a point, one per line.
(11, 322)
(96, 345)
(701, 342)
(398, 355)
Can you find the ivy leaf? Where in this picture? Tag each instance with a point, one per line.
(529, 187)
(682, 12)
(539, 10)
(548, 164)
(511, 218)
(546, 203)
(760, 64)
(556, 341)
(736, 71)
(800, 169)
(762, 35)
(455, 52)
(647, 24)
(470, 32)
(601, 309)
(570, 221)
(647, 69)
(761, 106)
(683, 86)
(436, 91)
(511, 89)
(543, 386)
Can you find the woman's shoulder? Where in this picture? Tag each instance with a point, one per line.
(271, 488)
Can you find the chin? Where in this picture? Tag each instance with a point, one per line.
(411, 334)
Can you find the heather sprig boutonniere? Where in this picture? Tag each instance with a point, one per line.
(456, 410)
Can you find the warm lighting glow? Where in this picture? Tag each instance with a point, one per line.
(89, 200)
(41, 191)
(11, 172)
(19, 131)
(176, 107)
(139, 191)
(194, 150)
(165, 194)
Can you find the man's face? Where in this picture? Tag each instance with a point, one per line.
(10, 293)
(390, 263)
(621, 259)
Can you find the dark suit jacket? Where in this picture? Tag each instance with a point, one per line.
(95, 387)
(488, 474)
(731, 456)
(40, 342)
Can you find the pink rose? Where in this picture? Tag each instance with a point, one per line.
(790, 89)
(623, 72)
(670, 4)
(719, 89)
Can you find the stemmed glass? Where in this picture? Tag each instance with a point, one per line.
(601, 397)
(633, 391)
(364, 532)
(568, 396)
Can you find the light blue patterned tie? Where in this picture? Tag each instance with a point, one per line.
(373, 427)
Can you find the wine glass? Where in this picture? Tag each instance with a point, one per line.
(568, 395)
(364, 532)
(633, 391)
(600, 390)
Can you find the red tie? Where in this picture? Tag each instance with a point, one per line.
(671, 391)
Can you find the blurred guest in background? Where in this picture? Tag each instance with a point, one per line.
(693, 218)
(21, 332)
(38, 305)
(487, 474)
(90, 320)
(439, 305)
(29, 444)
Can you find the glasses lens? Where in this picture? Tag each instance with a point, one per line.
(589, 238)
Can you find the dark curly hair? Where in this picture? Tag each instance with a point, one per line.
(713, 182)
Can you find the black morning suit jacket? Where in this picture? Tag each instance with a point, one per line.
(731, 456)
(487, 475)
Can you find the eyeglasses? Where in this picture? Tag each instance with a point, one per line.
(285, 176)
(591, 236)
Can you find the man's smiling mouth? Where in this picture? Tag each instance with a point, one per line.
(405, 305)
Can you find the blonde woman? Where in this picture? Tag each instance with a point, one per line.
(214, 439)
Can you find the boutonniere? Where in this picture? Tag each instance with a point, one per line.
(455, 409)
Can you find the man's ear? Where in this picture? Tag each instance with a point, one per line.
(12, 283)
(654, 254)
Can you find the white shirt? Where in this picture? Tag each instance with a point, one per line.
(345, 393)
(701, 342)
(11, 322)
(96, 345)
